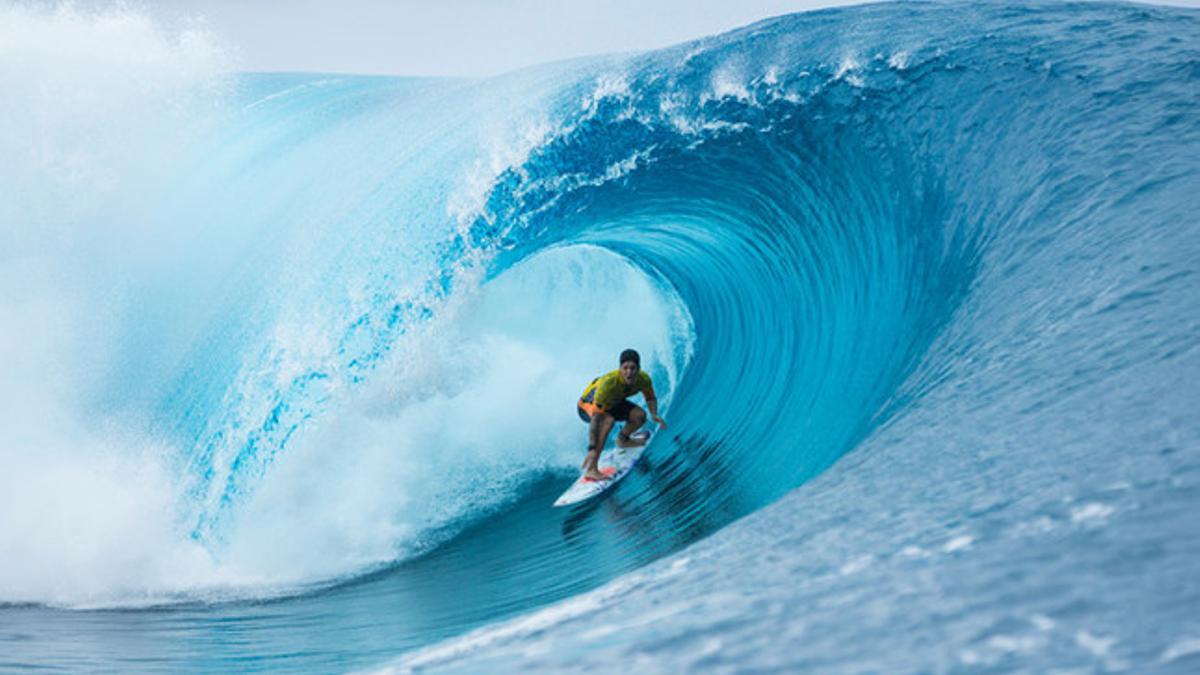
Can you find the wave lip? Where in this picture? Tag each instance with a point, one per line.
(817, 260)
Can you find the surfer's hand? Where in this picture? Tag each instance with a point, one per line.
(660, 422)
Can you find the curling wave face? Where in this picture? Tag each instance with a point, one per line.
(353, 354)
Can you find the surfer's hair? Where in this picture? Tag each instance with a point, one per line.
(631, 355)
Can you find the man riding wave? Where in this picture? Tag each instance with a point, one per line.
(605, 402)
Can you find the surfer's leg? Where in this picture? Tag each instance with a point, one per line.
(598, 431)
(637, 417)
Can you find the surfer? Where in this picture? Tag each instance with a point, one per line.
(605, 402)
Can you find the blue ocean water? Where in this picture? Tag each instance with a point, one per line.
(293, 387)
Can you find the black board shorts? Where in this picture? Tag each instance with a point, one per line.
(620, 411)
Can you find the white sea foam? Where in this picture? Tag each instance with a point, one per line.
(506, 148)
(95, 104)
(1094, 513)
(728, 82)
(958, 543)
(848, 70)
(1097, 645)
(475, 399)
(1180, 649)
(1042, 622)
(856, 565)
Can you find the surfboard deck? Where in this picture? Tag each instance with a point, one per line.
(616, 462)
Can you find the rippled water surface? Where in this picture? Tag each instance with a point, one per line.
(294, 356)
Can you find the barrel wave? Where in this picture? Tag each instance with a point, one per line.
(951, 247)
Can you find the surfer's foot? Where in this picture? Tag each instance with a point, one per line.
(594, 475)
(630, 442)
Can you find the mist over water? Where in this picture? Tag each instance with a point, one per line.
(914, 284)
(95, 108)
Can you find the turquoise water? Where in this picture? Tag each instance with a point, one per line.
(915, 283)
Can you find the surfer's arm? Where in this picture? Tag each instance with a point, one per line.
(652, 404)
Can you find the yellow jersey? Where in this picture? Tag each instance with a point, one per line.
(610, 389)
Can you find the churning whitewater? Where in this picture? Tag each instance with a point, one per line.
(291, 359)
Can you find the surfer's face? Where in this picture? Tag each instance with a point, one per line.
(629, 370)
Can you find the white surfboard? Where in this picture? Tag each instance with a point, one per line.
(615, 462)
